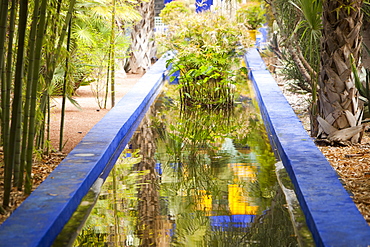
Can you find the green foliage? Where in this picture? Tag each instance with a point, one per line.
(363, 86)
(298, 24)
(173, 11)
(91, 40)
(252, 14)
(207, 46)
(43, 27)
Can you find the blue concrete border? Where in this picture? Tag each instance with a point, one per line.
(41, 217)
(331, 215)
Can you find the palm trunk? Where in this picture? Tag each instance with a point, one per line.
(14, 138)
(142, 35)
(339, 108)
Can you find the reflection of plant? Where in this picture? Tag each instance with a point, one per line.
(207, 48)
(122, 184)
(251, 14)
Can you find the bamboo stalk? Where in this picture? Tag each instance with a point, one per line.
(6, 84)
(26, 110)
(65, 89)
(14, 138)
(112, 52)
(35, 83)
(107, 82)
(3, 26)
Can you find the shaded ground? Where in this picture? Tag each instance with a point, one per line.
(352, 163)
(77, 123)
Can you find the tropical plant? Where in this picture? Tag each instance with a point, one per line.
(142, 39)
(251, 14)
(296, 38)
(339, 109)
(99, 30)
(45, 63)
(207, 46)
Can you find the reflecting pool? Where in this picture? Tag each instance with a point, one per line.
(193, 177)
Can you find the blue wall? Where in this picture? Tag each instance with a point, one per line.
(331, 215)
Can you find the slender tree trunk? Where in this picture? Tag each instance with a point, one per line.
(107, 82)
(15, 132)
(6, 84)
(31, 58)
(65, 89)
(3, 27)
(3, 22)
(339, 108)
(33, 89)
(112, 53)
(61, 40)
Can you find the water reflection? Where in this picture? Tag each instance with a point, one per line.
(193, 178)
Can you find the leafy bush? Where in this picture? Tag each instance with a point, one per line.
(173, 11)
(207, 46)
(252, 14)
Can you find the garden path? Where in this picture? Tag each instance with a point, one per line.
(79, 121)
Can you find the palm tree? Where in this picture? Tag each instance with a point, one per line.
(339, 108)
(142, 35)
(299, 25)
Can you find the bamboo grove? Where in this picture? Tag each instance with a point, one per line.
(50, 47)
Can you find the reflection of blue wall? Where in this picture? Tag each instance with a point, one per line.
(202, 5)
(224, 222)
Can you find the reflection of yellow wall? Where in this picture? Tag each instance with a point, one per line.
(238, 203)
(204, 201)
(243, 171)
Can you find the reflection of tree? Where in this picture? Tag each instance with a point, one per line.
(207, 154)
(108, 222)
(216, 166)
(148, 218)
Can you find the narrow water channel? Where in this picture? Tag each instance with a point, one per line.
(193, 178)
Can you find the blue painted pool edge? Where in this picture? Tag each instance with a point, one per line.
(41, 217)
(331, 215)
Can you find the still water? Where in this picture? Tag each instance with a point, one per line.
(193, 178)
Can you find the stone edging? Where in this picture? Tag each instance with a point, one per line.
(331, 215)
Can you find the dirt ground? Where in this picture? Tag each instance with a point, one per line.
(352, 163)
(77, 123)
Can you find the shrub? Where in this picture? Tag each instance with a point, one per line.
(251, 14)
(207, 46)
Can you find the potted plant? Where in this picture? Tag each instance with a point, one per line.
(252, 15)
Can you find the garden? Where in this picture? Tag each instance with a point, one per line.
(90, 42)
